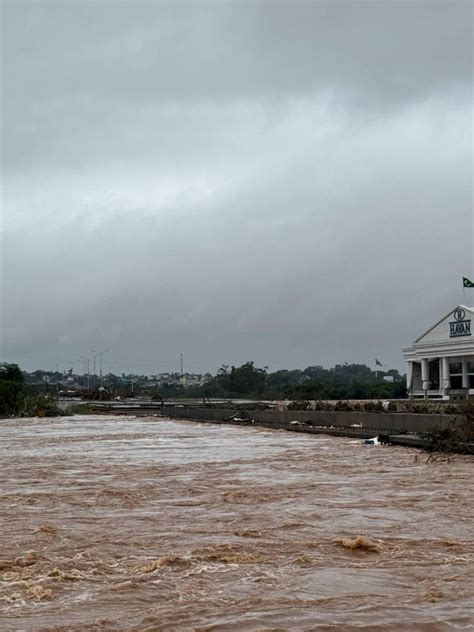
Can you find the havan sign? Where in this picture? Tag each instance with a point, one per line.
(459, 327)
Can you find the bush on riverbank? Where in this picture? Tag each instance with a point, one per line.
(457, 437)
(80, 409)
(39, 405)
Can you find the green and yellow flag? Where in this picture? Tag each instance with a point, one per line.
(467, 283)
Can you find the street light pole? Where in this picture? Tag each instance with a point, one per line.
(87, 361)
(94, 355)
(100, 354)
(84, 363)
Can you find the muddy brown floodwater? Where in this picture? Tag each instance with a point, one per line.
(122, 523)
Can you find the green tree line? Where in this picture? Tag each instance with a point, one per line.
(341, 382)
(344, 381)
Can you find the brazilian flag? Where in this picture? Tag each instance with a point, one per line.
(467, 282)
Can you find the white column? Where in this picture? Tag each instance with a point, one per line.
(409, 375)
(465, 377)
(446, 377)
(425, 374)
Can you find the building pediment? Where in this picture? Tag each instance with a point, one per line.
(456, 326)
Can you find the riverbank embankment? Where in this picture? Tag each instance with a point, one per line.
(401, 428)
(340, 422)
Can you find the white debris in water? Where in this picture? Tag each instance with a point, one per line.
(373, 441)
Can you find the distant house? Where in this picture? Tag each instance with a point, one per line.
(440, 363)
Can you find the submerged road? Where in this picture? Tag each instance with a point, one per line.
(123, 523)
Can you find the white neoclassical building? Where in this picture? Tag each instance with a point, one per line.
(440, 363)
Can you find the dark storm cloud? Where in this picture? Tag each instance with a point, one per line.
(173, 51)
(282, 182)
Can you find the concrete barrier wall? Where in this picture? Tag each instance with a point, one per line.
(380, 422)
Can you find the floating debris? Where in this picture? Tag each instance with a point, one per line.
(361, 542)
(373, 441)
(46, 529)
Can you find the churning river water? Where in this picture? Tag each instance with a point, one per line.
(143, 524)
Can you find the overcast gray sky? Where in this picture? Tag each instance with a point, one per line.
(283, 182)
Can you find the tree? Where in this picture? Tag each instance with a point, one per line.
(11, 387)
(247, 379)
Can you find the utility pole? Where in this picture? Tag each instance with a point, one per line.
(181, 362)
(100, 354)
(84, 364)
(87, 361)
(94, 381)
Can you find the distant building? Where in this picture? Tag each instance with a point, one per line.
(440, 363)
